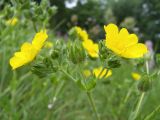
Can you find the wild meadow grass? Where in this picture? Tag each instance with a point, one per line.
(53, 86)
(27, 97)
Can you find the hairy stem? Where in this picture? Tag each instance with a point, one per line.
(138, 106)
(149, 117)
(93, 105)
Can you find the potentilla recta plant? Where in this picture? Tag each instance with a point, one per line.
(86, 62)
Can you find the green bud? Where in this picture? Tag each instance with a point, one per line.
(76, 53)
(144, 84)
(73, 34)
(52, 10)
(140, 62)
(38, 10)
(90, 84)
(42, 70)
(44, 4)
(103, 51)
(48, 62)
(54, 79)
(55, 54)
(114, 63)
(58, 49)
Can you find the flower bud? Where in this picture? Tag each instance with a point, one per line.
(52, 10)
(114, 63)
(47, 61)
(72, 33)
(39, 70)
(104, 53)
(54, 54)
(76, 53)
(43, 69)
(140, 62)
(145, 84)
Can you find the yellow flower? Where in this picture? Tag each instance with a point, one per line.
(48, 44)
(39, 39)
(28, 51)
(91, 48)
(136, 76)
(82, 33)
(122, 43)
(97, 72)
(86, 73)
(12, 21)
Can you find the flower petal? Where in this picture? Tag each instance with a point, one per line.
(26, 46)
(92, 48)
(112, 37)
(16, 62)
(39, 39)
(125, 39)
(111, 29)
(135, 51)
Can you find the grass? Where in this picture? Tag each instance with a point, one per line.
(27, 97)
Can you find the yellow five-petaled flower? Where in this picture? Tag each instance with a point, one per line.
(122, 43)
(91, 47)
(29, 50)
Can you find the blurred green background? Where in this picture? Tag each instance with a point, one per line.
(140, 16)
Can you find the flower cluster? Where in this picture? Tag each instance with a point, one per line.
(70, 58)
(120, 42)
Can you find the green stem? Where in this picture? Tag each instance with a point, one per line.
(148, 117)
(125, 99)
(58, 90)
(24, 76)
(138, 106)
(147, 67)
(88, 94)
(68, 75)
(34, 26)
(93, 105)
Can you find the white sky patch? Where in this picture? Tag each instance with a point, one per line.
(71, 3)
